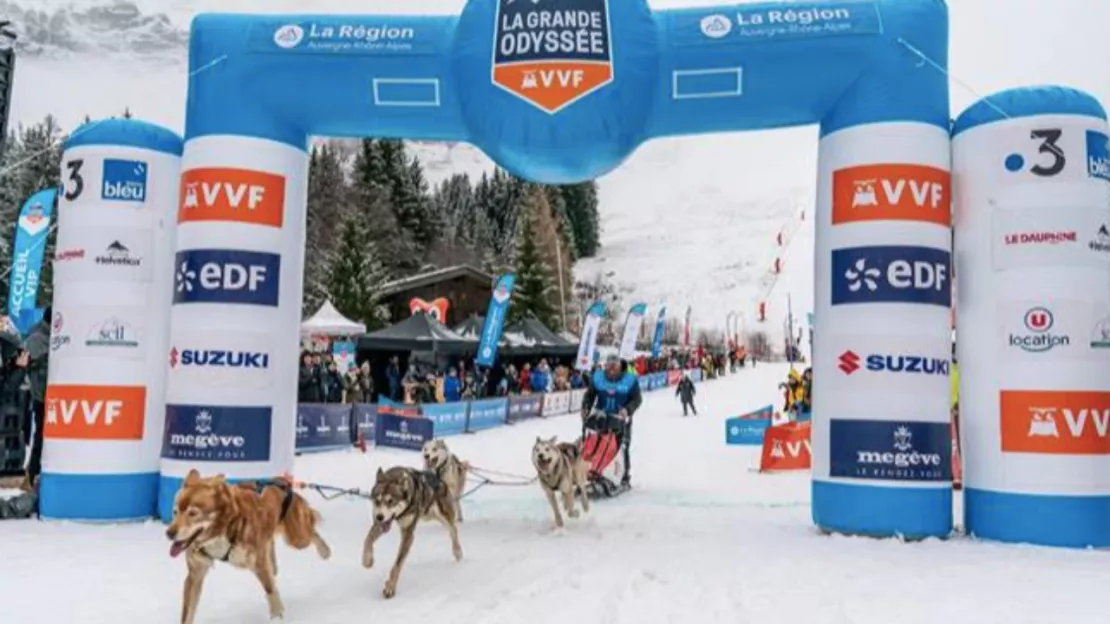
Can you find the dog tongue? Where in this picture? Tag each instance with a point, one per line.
(177, 548)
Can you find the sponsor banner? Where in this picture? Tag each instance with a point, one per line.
(402, 432)
(449, 418)
(1052, 422)
(490, 413)
(221, 359)
(323, 426)
(759, 24)
(587, 347)
(673, 377)
(495, 320)
(80, 412)
(902, 365)
(217, 433)
(365, 414)
(1098, 155)
(660, 326)
(524, 407)
(343, 354)
(226, 276)
(104, 255)
(892, 192)
(632, 325)
(124, 180)
(891, 274)
(556, 403)
(385, 406)
(743, 430)
(1068, 236)
(552, 56)
(112, 332)
(890, 450)
(1054, 330)
(695, 375)
(347, 35)
(786, 447)
(576, 398)
(28, 249)
(235, 195)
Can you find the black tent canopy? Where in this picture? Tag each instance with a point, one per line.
(531, 336)
(419, 332)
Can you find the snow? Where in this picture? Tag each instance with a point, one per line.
(702, 538)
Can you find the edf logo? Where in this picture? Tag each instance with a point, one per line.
(891, 275)
(226, 276)
(124, 180)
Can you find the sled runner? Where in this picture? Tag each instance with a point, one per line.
(600, 449)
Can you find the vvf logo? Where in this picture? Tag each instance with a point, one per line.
(124, 180)
(889, 274)
(226, 276)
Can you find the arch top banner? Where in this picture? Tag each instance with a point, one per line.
(564, 90)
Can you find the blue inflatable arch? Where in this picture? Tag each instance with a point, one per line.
(561, 91)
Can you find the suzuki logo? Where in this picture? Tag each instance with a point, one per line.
(849, 362)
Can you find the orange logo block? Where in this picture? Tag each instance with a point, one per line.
(240, 195)
(786, 447)
(1055, 422)
(95, 412)
(892, 193)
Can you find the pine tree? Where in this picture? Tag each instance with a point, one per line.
(582, 213)
(370, 195)
(533, 291)
(355, 275)
(329, 198)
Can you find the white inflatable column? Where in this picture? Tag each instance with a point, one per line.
(234, 328)
(1033, 334)
(882, 347)
(105, 400)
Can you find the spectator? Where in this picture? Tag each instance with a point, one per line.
(358, 385)
(393, 377)
(37, 362)
(452, 387)
(538, 379)
(686, 391)
(333, 383)
(308, 381)
(526, 379)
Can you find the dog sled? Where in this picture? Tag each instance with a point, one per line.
(601, 445)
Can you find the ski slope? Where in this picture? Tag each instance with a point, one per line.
(703, 538)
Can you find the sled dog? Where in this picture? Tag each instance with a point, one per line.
(214, 521)
(449, 468)
(560, 469)
(407, 496)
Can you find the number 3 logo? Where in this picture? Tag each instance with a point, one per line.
(75, 183)
(1048, 139)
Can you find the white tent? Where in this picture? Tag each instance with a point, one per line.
(329, 322)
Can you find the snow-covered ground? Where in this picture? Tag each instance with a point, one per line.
(703, 538)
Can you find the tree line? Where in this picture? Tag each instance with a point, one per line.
(372, 217)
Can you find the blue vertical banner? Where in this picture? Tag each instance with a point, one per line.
(657, 341)
(27, 254)
(495, 319)
(587, 348)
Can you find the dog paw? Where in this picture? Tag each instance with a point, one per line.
(389, 591)
(457, 551)
(573, 513)
(368, 561)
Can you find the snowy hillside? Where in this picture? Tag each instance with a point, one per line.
(686, 221)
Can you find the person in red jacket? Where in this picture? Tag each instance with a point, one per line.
(526, 379)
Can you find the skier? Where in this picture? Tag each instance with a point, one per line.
(686, 392)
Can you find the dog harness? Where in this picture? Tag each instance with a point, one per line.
(286, 504)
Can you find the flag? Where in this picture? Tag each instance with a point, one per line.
(632, 329)
(657, 342)
(495, 319)
(587, 348)
(686, 327)
(27, 255)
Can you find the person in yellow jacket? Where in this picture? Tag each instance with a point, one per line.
(793, 391)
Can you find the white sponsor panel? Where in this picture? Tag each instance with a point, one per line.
(1037, 237)
(556, 403)
(221, 359)
(865, 366)
(104, 254)
(109, 332)
(1053, 330)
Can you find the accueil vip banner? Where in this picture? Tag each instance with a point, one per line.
(495, 319)
(27, 253)
(588, 346)
(632, 330)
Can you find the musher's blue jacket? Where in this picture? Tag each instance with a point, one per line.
(611, 396)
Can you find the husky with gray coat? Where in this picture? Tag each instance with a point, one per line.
(407, 496)
(449, 468)
(561, 469)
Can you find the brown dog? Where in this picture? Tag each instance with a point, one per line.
(214, 521)
(408, 496)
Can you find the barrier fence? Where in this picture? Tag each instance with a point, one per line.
(331, 426)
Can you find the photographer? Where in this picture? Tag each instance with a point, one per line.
(38, 359)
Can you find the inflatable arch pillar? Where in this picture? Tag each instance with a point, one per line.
(563, 91)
